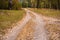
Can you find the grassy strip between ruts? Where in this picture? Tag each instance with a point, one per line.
(9, 17)
(48, 12)
(27, 33)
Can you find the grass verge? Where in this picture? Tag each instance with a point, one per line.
(48, 12)
(9, 17)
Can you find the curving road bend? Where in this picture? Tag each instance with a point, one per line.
(39, 33)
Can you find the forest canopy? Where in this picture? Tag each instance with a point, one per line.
(18, 4)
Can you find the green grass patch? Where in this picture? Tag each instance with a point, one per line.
(48, 12)
(8, 17)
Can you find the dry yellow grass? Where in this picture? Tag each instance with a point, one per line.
(27, 32)
(47, 12)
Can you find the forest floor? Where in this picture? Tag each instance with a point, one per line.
(35, 26)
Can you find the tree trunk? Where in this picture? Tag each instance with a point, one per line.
(37, 6)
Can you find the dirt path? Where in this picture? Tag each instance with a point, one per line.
(39, 30)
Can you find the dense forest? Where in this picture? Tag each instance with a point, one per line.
(17, 4)
(53, 4)
(10, 4)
